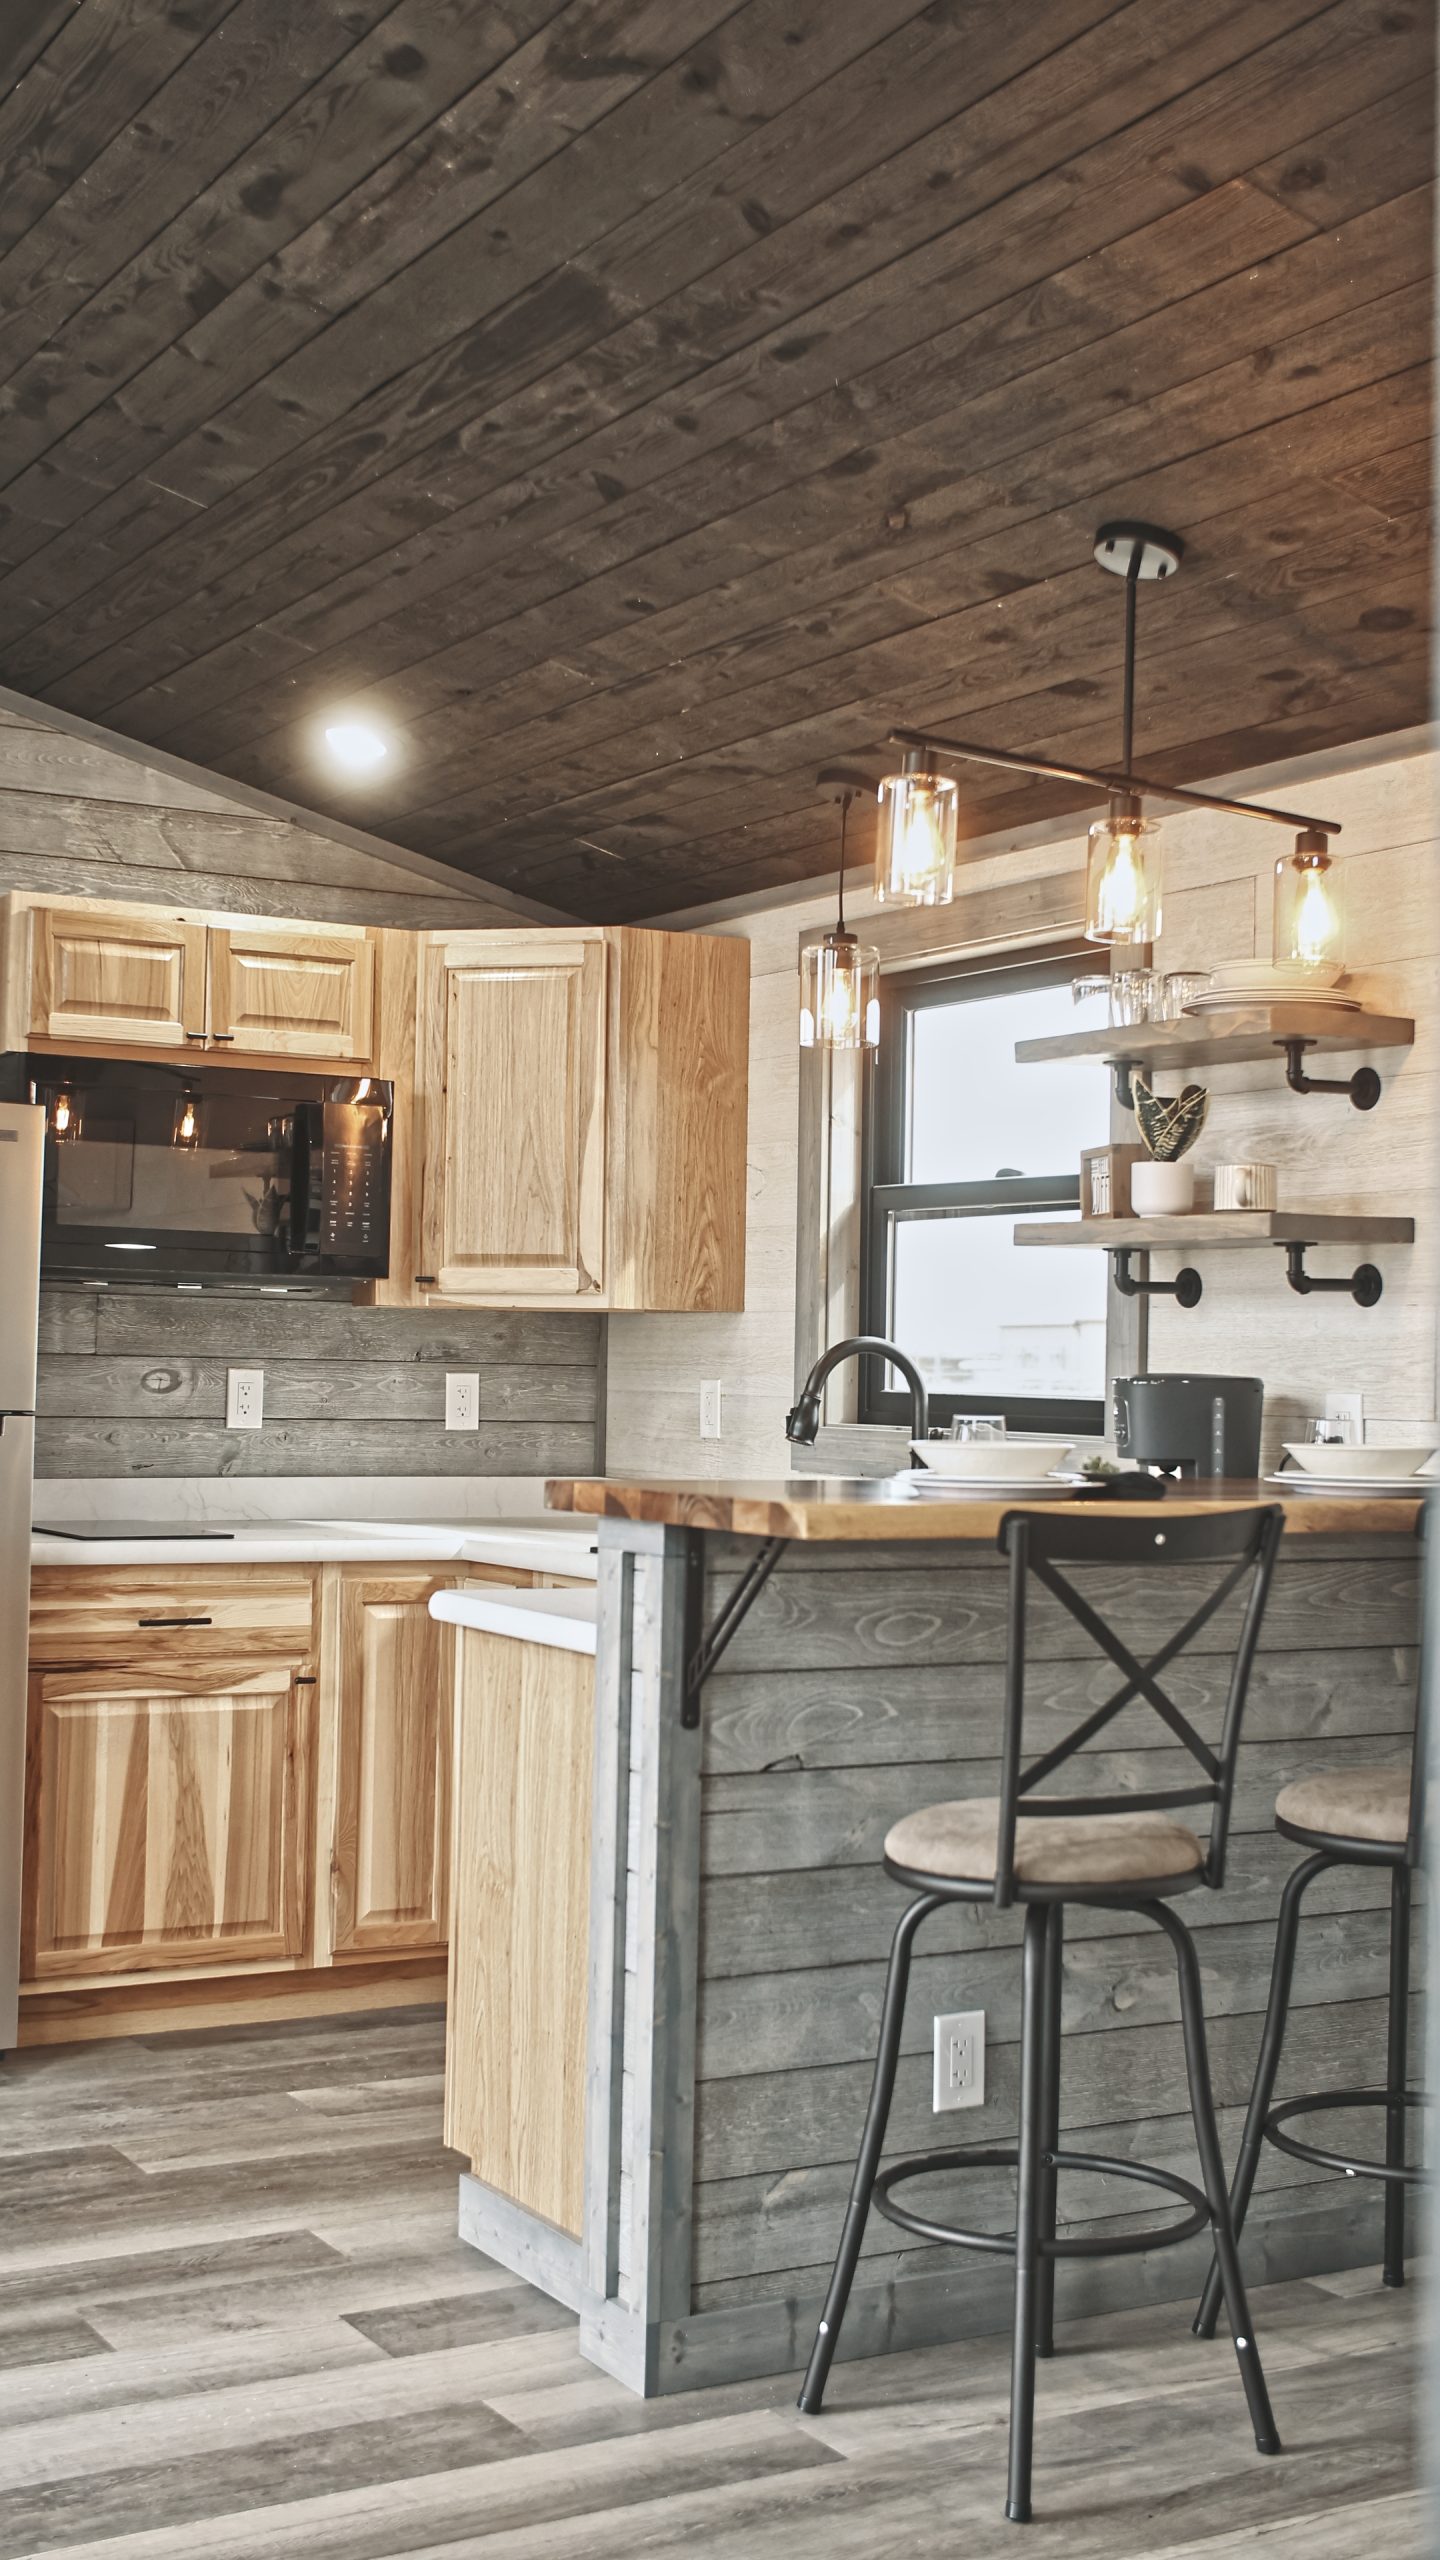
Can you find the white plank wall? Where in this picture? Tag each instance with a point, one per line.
(1216, 907)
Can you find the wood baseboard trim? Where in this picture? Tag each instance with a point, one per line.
(244, 2000)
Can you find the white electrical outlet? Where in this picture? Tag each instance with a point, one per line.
(710, 1389)
(960, 2060)
(462, 1399)
(1349, 1412)
(244, 1399)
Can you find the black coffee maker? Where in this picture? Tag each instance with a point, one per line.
(1191, 1426)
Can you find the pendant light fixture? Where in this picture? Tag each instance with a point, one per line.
(186, 1132)
(1309, 908)
(1122, 869)
(915, 846)
(840, 979)
(64, 1117)
(915, 856)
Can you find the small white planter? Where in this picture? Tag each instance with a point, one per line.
(1161, 1190)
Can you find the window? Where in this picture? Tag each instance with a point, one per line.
(960, 1142)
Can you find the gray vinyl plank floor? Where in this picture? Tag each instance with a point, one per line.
(235, 2320)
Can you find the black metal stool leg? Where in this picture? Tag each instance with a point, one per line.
(1397, 2065)
(892, 2019)
(1033, 2022)
(1272, 2038)
(1049, 2128)
(1212, 2170)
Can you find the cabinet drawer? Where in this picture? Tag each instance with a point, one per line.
(138, 1619)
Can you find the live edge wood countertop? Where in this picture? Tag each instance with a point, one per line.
(882, 1510)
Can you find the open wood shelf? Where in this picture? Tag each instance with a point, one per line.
(1217, 1039)
(1212, 1227)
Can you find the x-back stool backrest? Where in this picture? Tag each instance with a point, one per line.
(1037, 1544)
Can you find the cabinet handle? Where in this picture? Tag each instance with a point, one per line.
(304, 1680)
(198, 1037)
(218, 1036)
(175, 1622)
(425, 1280)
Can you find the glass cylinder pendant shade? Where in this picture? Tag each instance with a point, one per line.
(187, 1122)
(1122, 877)
(915, 847)
(839, 994)
(1309, 909)
(64, 1117)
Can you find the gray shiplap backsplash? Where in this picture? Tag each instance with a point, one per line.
(132, 1383)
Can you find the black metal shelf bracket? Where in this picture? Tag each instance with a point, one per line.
(1186, 1288)
(1364, 1284)
(703, 1649)
(1124, 1088)
(1363, 1087)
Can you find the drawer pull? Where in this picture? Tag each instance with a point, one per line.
(175, 1622)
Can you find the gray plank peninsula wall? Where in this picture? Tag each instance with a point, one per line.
(740, 1918)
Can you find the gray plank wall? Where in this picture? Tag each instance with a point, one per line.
(133, 1384)
(867, 1682)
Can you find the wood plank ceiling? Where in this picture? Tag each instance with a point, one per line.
(638, 404)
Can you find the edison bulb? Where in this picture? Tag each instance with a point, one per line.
(839, 994)
(1122, 879)
(915, 846)
(1309, 909)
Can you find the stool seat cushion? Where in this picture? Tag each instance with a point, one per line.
(1353, 1804)
(1127, 1850)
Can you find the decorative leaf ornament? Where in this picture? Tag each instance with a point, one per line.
(1169, 1123)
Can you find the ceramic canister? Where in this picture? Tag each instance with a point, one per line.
(1244, 1186)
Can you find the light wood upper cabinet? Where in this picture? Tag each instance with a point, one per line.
(130, 979)
(127, 979)
(580, 1121)
(392, 1677)
(512, 1070)
(292, 995)
(168, 1821)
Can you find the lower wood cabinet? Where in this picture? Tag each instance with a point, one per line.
(238, 1770)
(391, 1668)
(171, 1819)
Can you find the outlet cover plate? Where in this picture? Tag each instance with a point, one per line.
(462, 1399)
(711, 1390)
(959, 2060)
(244, 1399)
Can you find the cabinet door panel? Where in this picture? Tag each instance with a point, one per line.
(166, 1825)
(514, 1087)
(390, 1860)
(292, 995)
(135, 979)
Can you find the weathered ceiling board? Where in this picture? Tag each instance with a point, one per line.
(637, 406)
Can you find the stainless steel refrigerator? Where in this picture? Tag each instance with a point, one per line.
(22, 1140)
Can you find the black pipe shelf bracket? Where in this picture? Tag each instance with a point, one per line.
(1363, 1284)
(703, 1647)
(1363, 1087)
(1187, 1287)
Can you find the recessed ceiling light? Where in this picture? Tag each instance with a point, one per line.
(356, 746)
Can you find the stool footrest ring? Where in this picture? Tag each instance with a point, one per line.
(1006, 2156)
(1401, 2175)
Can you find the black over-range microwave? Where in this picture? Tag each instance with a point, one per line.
(229, 1176)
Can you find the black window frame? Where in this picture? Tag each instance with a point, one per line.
(885, 1198)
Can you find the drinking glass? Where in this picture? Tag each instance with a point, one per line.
(978, 1426)
(1179, 988)
(1132, 996)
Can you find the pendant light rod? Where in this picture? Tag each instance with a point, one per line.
(964, 751)
(1127, 738)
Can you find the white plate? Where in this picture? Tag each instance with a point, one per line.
(954, 1488)
(1253, 997)
(1333, 1459)
(1276, 973)
(1359, 1485)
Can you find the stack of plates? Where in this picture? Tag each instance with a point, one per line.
(1250, 982)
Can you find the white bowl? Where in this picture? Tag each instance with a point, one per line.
(1322, 1459)
(1274, 973)
(1014, 1461)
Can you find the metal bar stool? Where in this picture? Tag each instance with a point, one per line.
(1122, 1853)
(1345, 1818)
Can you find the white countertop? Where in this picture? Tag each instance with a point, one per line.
(527, 1546)
(565, 1619)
